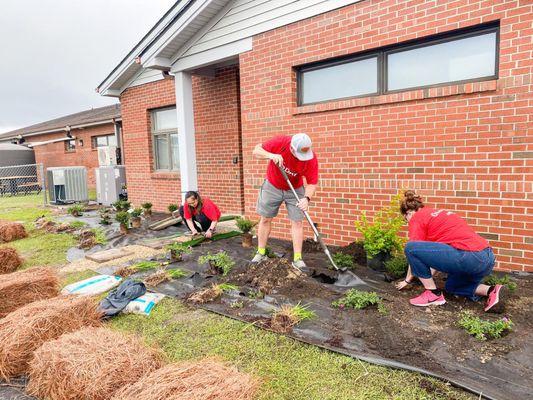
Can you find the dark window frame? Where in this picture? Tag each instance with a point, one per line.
(94, 139)
(383, 52)
(66, 144)
(163, 132)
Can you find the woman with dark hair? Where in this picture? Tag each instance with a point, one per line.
(441, 240)
(200, 214)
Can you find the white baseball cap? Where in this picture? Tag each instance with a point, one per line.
(301, 147)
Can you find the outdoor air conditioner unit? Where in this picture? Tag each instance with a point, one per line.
(110, 182)
(67, 184)
(107, 156)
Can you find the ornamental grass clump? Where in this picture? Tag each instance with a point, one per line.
(76, 210)
(212, 293)
(289, 316)
(483, 329)
(220, 262)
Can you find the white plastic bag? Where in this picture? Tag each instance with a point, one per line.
(92, 286)
(143, 305)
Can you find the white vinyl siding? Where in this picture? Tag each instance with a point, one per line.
(147, 76)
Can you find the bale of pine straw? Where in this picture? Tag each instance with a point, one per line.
(10, 231)
(89, 364)
(207, 379)
(23, 287)
(26, 329)
(9, 260)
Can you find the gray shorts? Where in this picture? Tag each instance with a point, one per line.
(270, 198)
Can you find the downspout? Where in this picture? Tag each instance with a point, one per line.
(118, 136)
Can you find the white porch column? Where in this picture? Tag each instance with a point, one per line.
(186, 140)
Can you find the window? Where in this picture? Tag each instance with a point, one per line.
(103, 141)
(465, 56)
(165, 139)
(70, 145)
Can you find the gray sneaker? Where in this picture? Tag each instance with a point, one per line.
(259, 258)
(299, 265)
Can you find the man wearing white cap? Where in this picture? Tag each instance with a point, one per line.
(294, 155)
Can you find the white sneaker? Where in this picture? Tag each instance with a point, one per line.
(259, 258)
(299, 265)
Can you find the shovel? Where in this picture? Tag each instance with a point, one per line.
(345, 278)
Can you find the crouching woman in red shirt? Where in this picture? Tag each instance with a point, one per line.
(200, 214)
(443, 241)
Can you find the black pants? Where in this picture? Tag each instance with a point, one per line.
(200, 221)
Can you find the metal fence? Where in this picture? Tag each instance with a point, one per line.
(23, 180)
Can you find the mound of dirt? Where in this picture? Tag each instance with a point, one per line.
(276, 275)
(356, 250)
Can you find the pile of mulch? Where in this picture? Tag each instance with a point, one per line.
(49, 226)
(207, 379)
(87, 239)
(10, 231)
(89, 364)
(9, 260)
(275, 275)
(26, 329)
(23, 287)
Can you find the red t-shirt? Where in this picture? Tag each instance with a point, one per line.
(209, 209)
(442, 226)
(294, 168)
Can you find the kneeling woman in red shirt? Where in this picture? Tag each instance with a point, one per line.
(200, 214)
(443, 241)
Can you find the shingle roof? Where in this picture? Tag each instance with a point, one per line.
(81, 118)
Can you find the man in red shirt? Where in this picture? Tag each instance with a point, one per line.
(294, 155)
(441, 240)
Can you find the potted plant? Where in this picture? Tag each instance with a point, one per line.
(121, 205)
(76, 210)
(123, 217)
(177, 250)
(136, 217)
(172, 208)
(245, 226)
(147, 209)
(381, 236)
(220, 263)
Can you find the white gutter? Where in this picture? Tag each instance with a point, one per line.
(31, 145)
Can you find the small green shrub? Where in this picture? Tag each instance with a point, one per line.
(245, 225)
(136, 212)
(77, 224)
(146, 206)
(343, 260)
(357, 299)
(121, 205)
(382, 234)
(123, 217)
(179, 249)
(501, 280)
(76, 210)
(484, 329)
(221, 261)
(172, 207)
(397, 266)
(99, 236)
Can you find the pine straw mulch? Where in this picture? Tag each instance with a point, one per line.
(207, 379)
(206, 295)
(9, 260)
(10, 231)
(157, 277)
(49, 226)
(24, 330)
(89, 364)
(20, 288)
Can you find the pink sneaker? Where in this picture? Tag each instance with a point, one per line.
(427, 298)
(493, 299)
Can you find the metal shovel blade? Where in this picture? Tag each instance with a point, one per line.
(349, 279)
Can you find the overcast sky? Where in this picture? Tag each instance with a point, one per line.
(54, 53)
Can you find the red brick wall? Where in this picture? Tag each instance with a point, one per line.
(369, 148)
(54, 154)
(216, 105)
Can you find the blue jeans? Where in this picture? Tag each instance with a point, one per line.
(465, 269)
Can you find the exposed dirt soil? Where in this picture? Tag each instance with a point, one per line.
(356, 250)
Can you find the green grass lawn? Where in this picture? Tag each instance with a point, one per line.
(288, 369)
